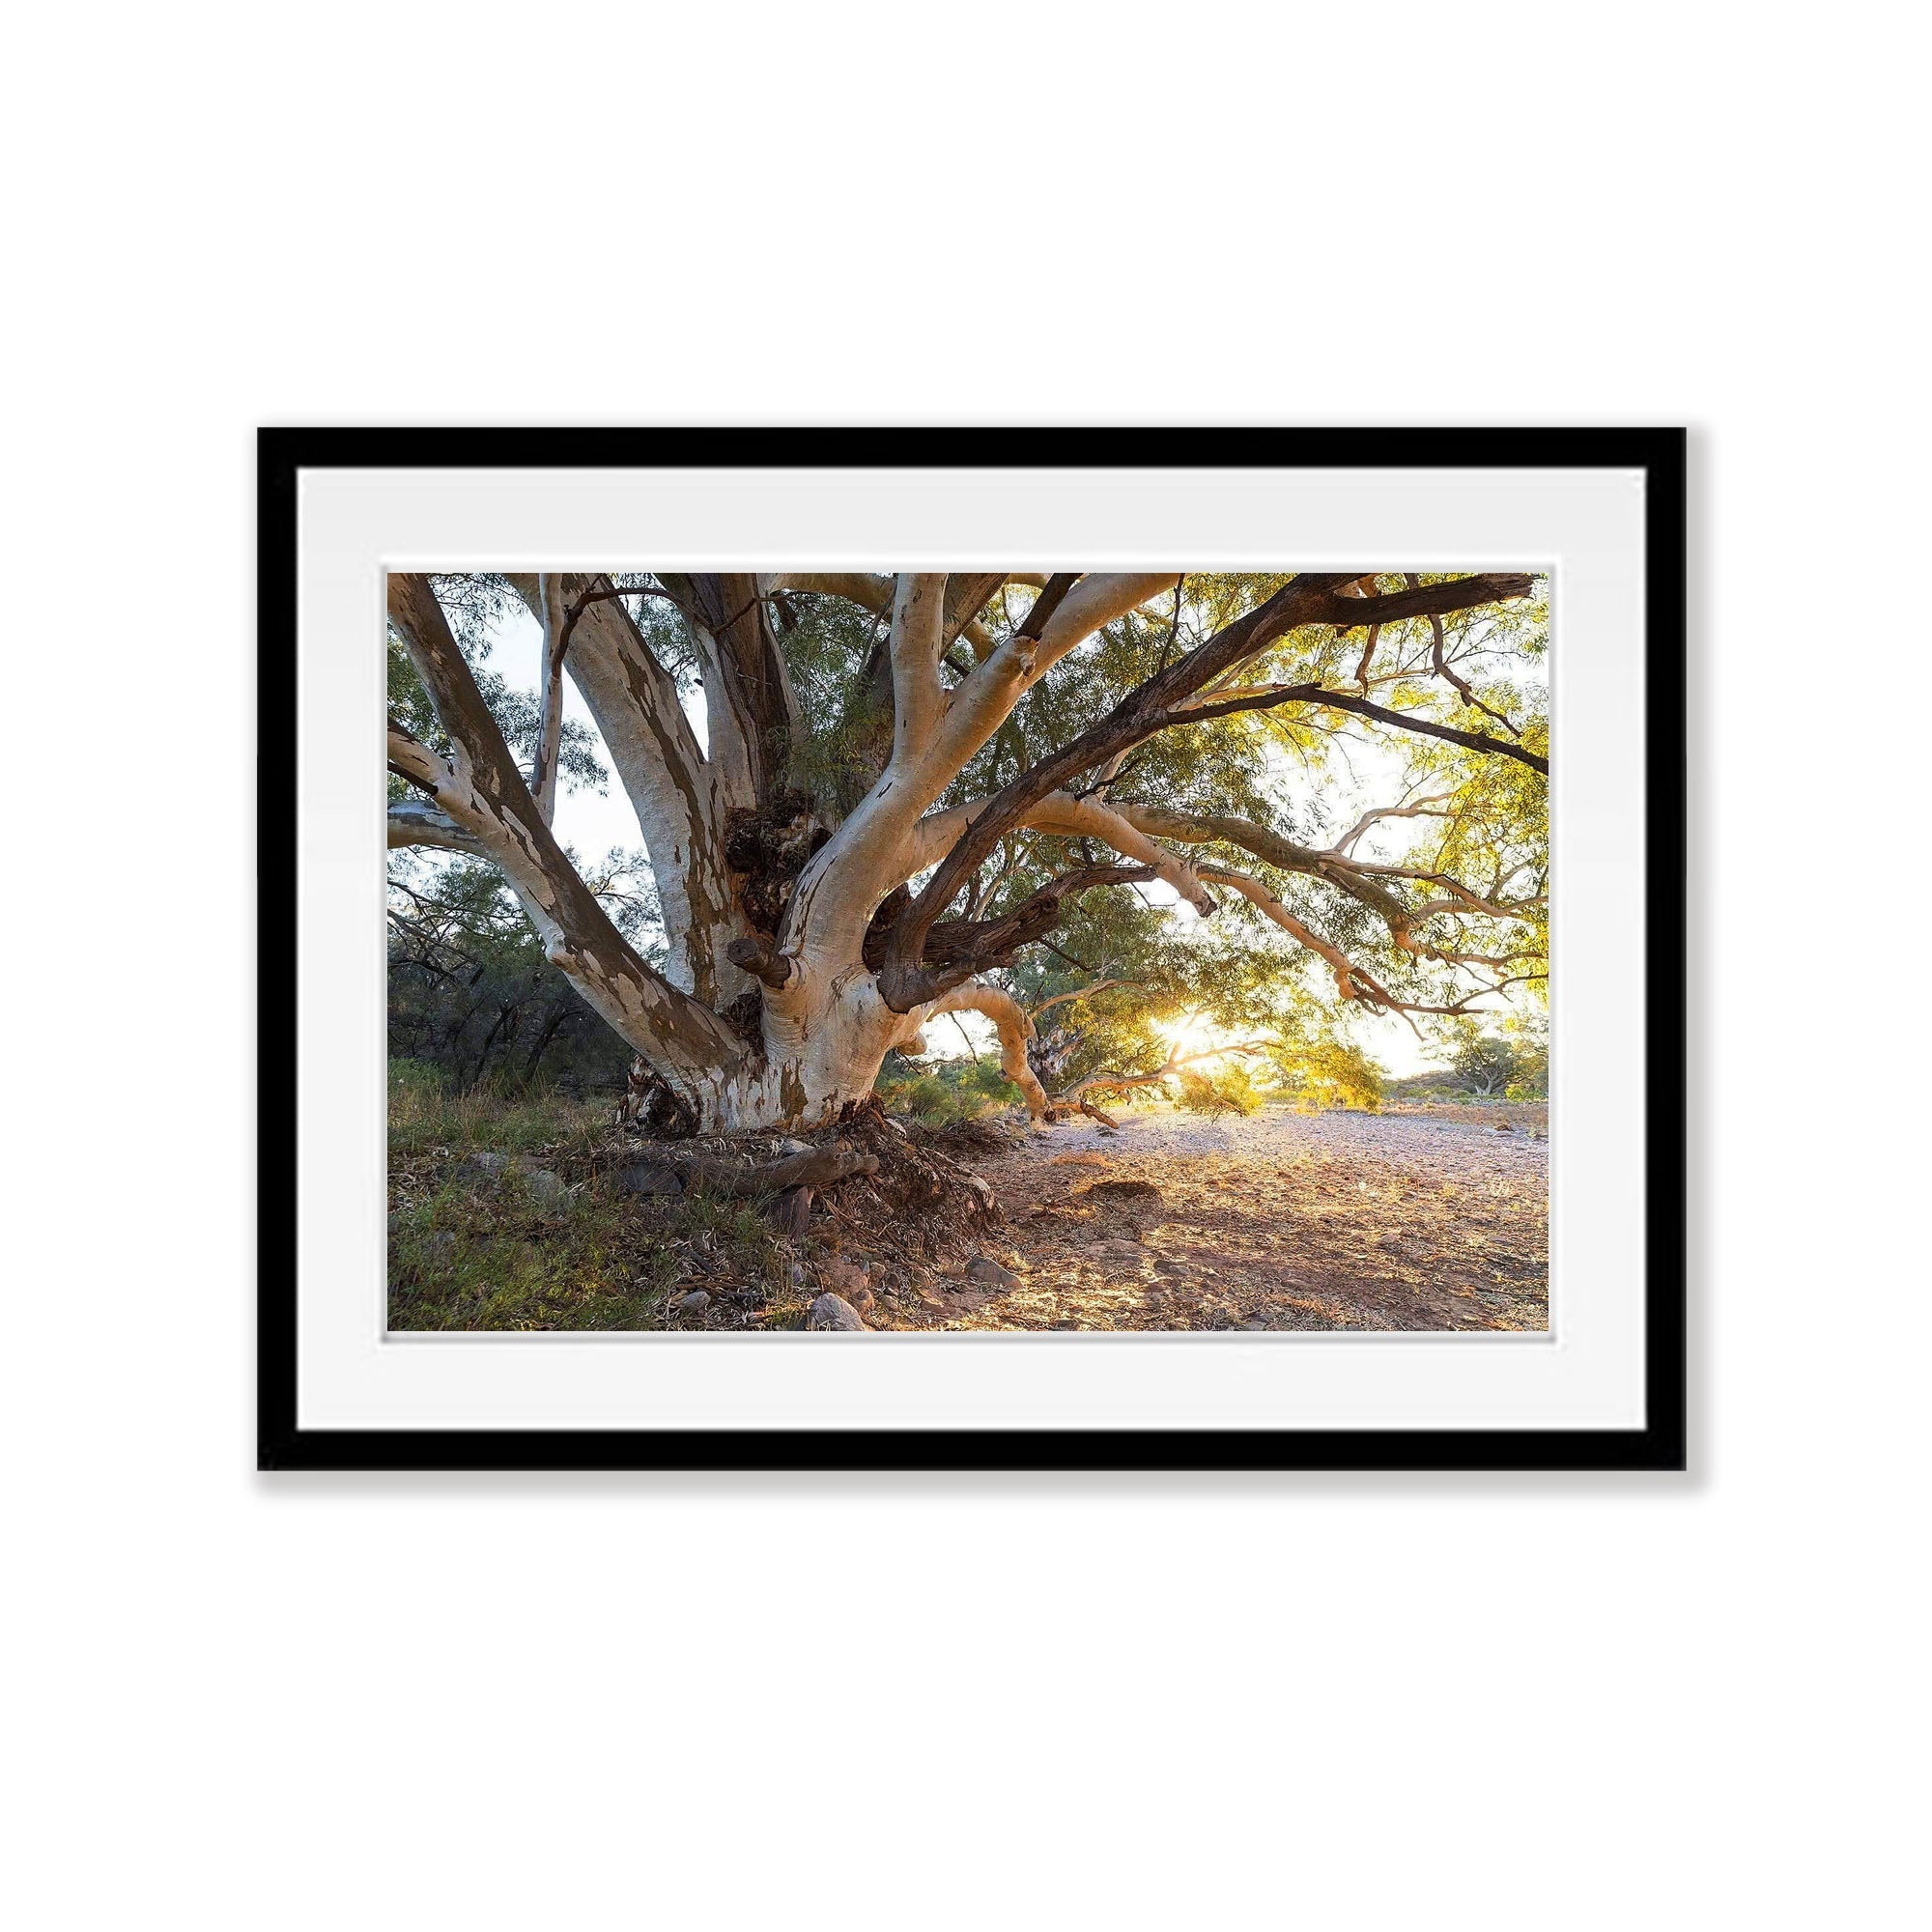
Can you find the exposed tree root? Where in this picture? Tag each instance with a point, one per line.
(865, 1176)
(820, 1167)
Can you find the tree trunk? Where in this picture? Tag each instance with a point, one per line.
(778, 1001)
(823, 1048)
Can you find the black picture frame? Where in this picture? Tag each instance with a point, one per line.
(1659, 1444)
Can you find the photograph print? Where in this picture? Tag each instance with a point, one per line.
(946, 953)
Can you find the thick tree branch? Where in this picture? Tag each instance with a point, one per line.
(964, 601)
(756, 957)
(1063, 815)
(558, 624)
(1013, 1027)
(918, 618)
(681, 798)
(414, 821)
(1052, 595)
(965, 598)
(1312, 598)
(955, 948)
(748, 698)
(481, 789)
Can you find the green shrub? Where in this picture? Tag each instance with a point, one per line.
(942, 1091)
(1227, 1089)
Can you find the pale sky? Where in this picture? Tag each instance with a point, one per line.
(594, 824)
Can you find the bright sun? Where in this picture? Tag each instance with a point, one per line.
(1187, 1032)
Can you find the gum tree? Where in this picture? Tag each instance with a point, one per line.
(898, 798)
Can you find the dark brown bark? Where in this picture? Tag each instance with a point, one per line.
(965, 598)
(757, 957)
(1343, 701)
(955, 949)
(748, 662)
(1049, 600)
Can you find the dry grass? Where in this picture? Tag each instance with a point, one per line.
(1415, 1220)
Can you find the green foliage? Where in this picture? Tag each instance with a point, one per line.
(1487, 1062)
(1223, 1088)
(516, 711)
(937, 1093)
(470, 992)
(835, 653)
(1480, 1063)
(1327, 1071)
(1528, 1036)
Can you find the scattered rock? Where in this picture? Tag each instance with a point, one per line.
(547, 1186)
(988, 1273)
(834, 1311)
(846, 1278)
(949, 1302)
(486, 1169)
(646, 1178)
(846, 1283)
(694, 1303)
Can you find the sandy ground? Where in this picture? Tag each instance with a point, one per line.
(1279, 1220)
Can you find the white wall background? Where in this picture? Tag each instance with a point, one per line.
(1356, 1703)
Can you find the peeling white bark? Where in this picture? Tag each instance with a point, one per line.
(934, 736)
(680, 798)
(414, 821)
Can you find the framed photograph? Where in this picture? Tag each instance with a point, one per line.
(1000, 949)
